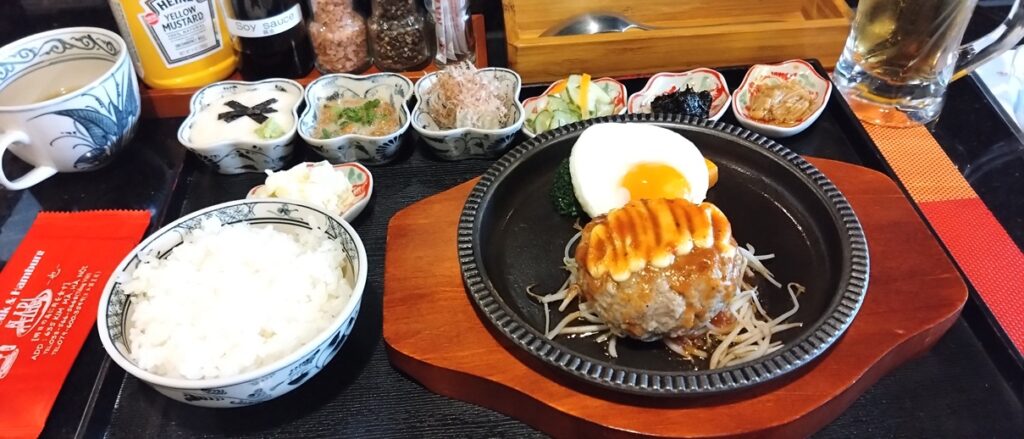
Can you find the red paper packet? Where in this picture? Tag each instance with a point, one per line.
(49, 291)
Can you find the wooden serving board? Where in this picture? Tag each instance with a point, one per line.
(434, 334)
(173, 102)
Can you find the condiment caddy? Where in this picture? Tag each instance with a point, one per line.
(174, 102)
(686, 34)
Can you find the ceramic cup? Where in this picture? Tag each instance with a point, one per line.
(69, 101)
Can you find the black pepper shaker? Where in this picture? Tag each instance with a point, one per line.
(272, 38)
(400, 37)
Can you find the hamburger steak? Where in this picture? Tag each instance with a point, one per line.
(659, 268)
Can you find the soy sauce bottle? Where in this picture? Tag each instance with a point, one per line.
(272, 38)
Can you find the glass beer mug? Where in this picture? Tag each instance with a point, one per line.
(901, 55)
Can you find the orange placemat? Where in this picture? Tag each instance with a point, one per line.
(979, 243)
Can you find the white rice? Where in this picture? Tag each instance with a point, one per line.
(233, 298)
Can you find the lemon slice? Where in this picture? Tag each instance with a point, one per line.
(584, 89)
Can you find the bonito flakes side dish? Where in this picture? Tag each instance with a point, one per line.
(463, 97)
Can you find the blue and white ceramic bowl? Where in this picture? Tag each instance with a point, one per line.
(69, 102)
(236, 157)
(264, 383)
(466, 143)
(391, 88)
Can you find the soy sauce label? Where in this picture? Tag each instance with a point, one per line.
(266, 27)
(181, 30)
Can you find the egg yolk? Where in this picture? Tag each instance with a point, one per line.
(654, 180)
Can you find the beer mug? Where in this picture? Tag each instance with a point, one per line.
(901, 55)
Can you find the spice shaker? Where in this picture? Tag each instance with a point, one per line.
(271, 36)
(400, 37)
(339, 37)
(453, 28)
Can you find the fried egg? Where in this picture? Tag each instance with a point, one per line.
(615, 163)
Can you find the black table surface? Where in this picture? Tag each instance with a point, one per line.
(968, 385)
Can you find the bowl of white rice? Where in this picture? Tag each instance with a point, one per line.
(235, 304)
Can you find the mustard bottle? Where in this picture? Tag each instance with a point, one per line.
(176, 43)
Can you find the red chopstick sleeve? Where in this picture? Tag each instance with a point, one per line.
(49, 291)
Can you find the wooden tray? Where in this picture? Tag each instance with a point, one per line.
(173, 102)
(434, 334)
(692, 33)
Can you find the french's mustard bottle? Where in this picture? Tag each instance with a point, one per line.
(176, 43)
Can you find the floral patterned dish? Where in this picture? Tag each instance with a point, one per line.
(362, 188)
(391, 88)
(236, 157)
(269, 381)
(535, 104)
(793, 70)
(698, 79)
(464, 143)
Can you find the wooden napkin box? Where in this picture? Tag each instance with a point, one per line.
(691, 33)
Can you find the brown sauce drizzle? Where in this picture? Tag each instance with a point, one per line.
(652, 232)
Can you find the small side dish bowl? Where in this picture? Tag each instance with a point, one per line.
(466, 143)
(699, 79)
(391, 88)
(362, 188)
(535, 104)
(266, 382)
(759, 75)
(238, 156)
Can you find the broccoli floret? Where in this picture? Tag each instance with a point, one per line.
(562, 195)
